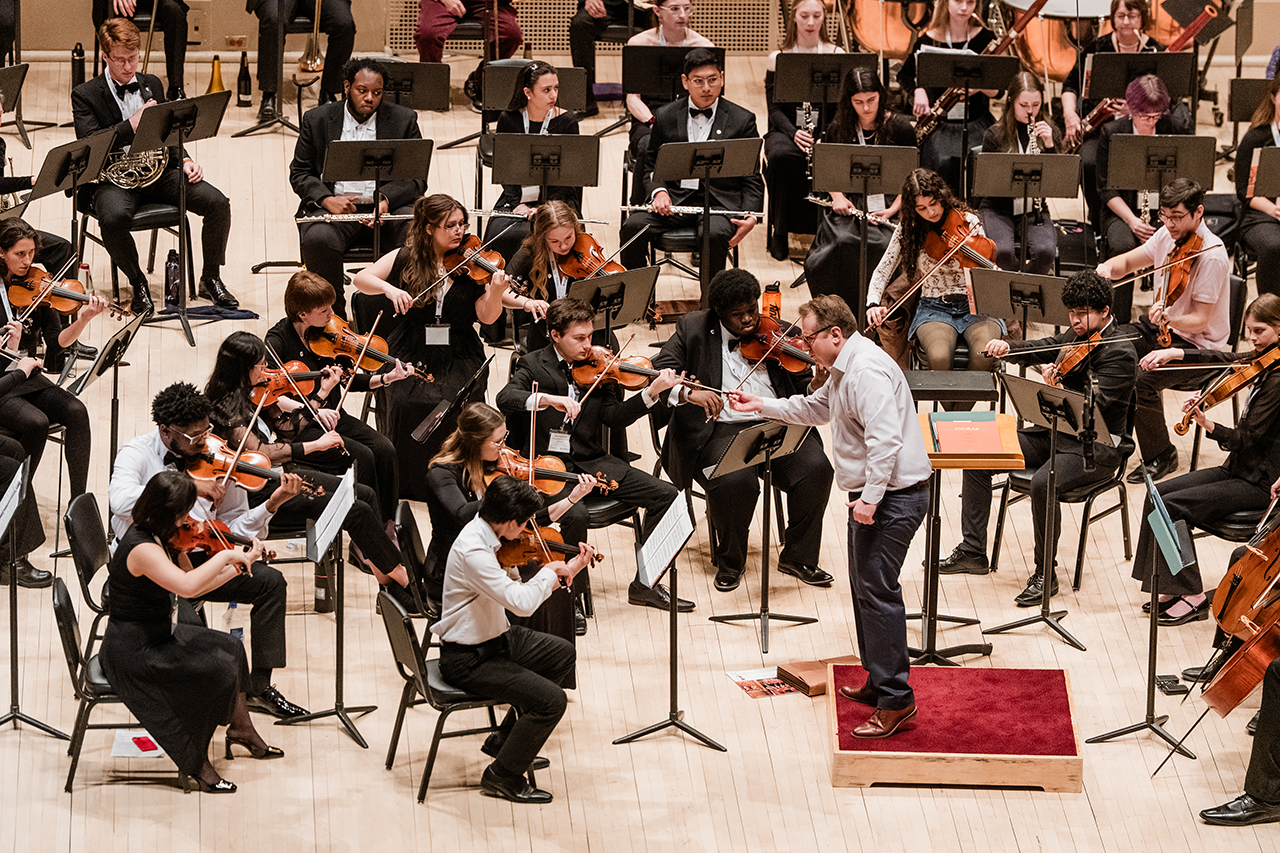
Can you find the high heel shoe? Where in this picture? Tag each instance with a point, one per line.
(262, 753)
(195, 783)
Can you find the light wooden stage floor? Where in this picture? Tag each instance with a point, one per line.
(771, 791)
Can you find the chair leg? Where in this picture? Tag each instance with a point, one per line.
(77, 739)
(1195, 448)
(995, 546)
(780, 516)
(431, 756)
(1124, 519)
(405, 698)
(1084, 538)
(151, 252)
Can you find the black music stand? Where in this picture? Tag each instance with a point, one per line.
(1265, 181)
(861, 169)
(110, 357)
(321, 534)
(499, 85)
(1174, 541)
(759, 444)
(653, 71)
(1149, 162)
(9, 503)
(973, 71)
(816, 78)
(174, 124)
(1000, 293)
(556, 159)
(1009, 175)
(702, 161)
(619, 299)
(1113, 72)
(1059, 411)
(1242, 99)
(380, 161)
(445, 408)
(417, 85)
(11, 80)
(654, 558)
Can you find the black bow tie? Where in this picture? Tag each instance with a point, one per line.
(694, 113)
(175, 460)
(123, 89)
(733, 343)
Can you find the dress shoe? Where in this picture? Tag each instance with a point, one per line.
(267, 109)
(1197, 613)
(1244, 810)
(29, 577)
(262, 753)
(885, 722)
(195, 783)
(271, 701)
(589, 111)
(864, 695)
(176, 94)
(1034, 593)
(141, 304)
(1161, 608)
(1196, 674)
(216, 292)
(579, 621)
(1252, 726)
(963, 563)
(493, 745)
(85, 351)
(493, 785)
(812, 575)
(1160, 467)
(727, 579)
(642, 596)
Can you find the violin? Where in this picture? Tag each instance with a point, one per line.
(769, 341)
(1180, 263)
(65, 297)
(210, 536)
(632, 372)
(549, 474)
(587, 259)
(1072, 357)
(1235, 378)
(517, 552)
(480, 265)
(274, 384)
(337, 340)
(975, 250)
(1247, 595)
(250, 471)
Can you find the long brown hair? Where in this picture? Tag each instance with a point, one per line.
(1022, 82)
(551, 215)
(789, 37)
(914, 229)
(1266, 111)
(1265, 309)
(429, 213)
(475, 424)
(941, 20)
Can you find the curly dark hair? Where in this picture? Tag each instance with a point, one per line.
(363, 63)
(179, 405)
(731, 288)
(1087, 289)
(922, 183)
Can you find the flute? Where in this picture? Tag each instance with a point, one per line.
(353, 217)
(734, 214)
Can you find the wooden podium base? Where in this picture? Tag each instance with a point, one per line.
(953, 742)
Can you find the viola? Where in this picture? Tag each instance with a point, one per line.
(975, 249)
(517, 552)
(274, 384)
(480, 265)
(211, 536)
(768, 341)
(1247, 594)
(632, 372)
(65, 297)
(1243, 671)
(1180, 263)
(1072, 357)
(251, 470)
(337, 341)
(587, 259)
(1236, 377)
(549, 474)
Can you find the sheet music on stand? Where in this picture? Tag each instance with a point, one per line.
(12, 497)
(321, 532)
(670, 535)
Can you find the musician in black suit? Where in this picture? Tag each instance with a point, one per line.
(705, 345)
(567, 412)
(335, 21)
(117, 99)
(171, 21)
(360, 115)
(700, 116)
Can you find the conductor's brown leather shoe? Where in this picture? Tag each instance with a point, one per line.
(885, 722)
(866, 694)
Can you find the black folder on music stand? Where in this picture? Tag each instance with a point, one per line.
(1266, 182)
(380, 161)
(1026, 176)
(816, 78)
(1113, 72)
(417, 85)
(619, 299)
(500, 84)
(1151, 162)
(445, 408)
(110, 357)
(557, 159)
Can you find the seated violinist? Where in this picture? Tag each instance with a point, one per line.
(1112, 365)
(1241, 483)
(308, 308)
(570, 422)
(1192, 309)
(181, 414)
(709, 345)
(933, 219)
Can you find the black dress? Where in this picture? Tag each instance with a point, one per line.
(180, 681)
(404, 405)
(785, 170)
(1259, 232)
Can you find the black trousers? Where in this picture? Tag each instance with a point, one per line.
(378, 455)
(524, 669)
(1197, 498)
(363, 525)
(267, 592)
(1149, 427)
(784, 176)
(1262, 780)
(324, 244)
(636, 255)
(114, 208)
(335, 22)
(27, 417)
(1261, 236)
(731, 500)
(585, 30)
(643, 491)
(975, 493)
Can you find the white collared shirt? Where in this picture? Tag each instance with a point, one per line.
(699, 130)
(354, 131)
(130, 103)
(733, 368)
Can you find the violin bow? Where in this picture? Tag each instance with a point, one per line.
(1054, 347)
(620, 250)
(306, 402)
(368, 339)
(243, 440)
(1177, 747)
(431, 289)
(1144, 273)
(533, 431)
(911, 291)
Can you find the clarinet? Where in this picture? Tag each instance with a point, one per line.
(1033, 147)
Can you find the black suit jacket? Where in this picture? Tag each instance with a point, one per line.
(601, 409)
(94, 108)
(671, 124)
(698, 348)
(322, 125)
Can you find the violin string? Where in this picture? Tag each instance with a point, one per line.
(368, 339)
(243, 440)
